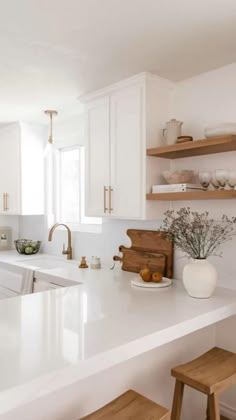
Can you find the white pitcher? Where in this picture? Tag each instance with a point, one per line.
(172, 131)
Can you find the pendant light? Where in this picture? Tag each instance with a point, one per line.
(51, 114)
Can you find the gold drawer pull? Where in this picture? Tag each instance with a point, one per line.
(110, 194)
(6, 200)
(105, 189)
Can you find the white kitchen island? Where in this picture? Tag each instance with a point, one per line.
(89, 342)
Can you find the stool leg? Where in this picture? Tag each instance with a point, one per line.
(207, 411)
(214, 410)
(177, 400)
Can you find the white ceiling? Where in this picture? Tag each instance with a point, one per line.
(51, 52)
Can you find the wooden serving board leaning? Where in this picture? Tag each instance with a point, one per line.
(149, 248)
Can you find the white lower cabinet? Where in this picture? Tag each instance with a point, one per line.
(121, 122)
(42, 285)
(6, 293)
(21, 169)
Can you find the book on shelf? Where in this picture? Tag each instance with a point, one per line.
(175, 188)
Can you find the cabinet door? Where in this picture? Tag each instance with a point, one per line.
(127, 152)
(42, 286)
(97, 157)
(10, 169)
(32, 169)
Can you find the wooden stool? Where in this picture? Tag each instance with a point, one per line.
(211, 373)
(130, 406)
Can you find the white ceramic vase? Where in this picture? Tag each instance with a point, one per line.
(199, 278)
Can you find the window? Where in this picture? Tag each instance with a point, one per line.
(69, 185)
(68, 190)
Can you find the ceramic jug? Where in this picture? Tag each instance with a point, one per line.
(172, 131)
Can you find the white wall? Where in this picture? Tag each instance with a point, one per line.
(206, 99)
(200, 101)
(103, 244)
(69, 131)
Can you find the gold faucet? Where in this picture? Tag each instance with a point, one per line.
(67, 251)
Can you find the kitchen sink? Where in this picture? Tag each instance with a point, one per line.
(53, 269)
(46, 262)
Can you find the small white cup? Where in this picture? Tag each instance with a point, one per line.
(95, 263)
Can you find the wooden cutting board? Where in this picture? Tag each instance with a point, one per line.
(148, 242)
(153, 241)
(136, 260)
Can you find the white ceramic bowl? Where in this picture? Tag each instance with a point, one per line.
(183, 176)
(220, 130)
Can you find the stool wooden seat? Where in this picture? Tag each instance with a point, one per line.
(211, 373)
(130, 406)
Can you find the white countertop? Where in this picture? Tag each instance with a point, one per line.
(52, 339)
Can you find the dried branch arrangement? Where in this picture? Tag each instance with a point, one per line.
(196, 234)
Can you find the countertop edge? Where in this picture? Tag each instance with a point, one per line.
(66, 376)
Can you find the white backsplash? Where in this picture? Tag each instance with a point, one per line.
(13, 223)
(104, 244)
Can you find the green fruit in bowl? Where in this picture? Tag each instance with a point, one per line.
(28, 250)
(21, 248)
(27, 246)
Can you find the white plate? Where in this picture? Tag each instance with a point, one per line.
(138, 282)
(220, 130)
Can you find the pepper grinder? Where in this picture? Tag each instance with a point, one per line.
(83, 263)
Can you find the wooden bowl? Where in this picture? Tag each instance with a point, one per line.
(184, 139)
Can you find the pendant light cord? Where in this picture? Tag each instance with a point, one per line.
(51, 114)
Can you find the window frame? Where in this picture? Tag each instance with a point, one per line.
(85, 223)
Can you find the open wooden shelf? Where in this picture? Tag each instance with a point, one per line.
(193, 195)
(195, 148)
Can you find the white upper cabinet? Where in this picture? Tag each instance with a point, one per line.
(9, 169)
(126, 143)
(21, 170)
(122, 120)
(97, 156)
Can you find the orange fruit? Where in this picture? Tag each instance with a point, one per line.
(146, 274)
(157, 277)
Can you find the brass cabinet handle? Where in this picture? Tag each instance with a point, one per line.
(105, 189)
(110, 205)
(6, 201)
